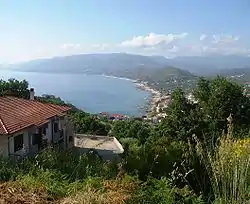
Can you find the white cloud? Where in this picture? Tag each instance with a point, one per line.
(101, 46)
(70, 46)
(152, 44)
(203, 37)
(175, 45)
(225, 39)
(152, 40)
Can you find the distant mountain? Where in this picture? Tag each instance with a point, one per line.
(210, 65)
(240, 75)
(135, 66)
(93, 63)
(111, 63)
(233, 72)
(153, 69)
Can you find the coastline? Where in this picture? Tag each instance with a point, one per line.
(156, 102)
(155, 95)
(154, 99)
(115, 77)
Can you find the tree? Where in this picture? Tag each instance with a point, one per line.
(132, 129)
(218, 98)
(89, 124)
(183, 120)
(15, 88)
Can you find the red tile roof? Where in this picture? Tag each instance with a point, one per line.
(117, 115)
(17, 114)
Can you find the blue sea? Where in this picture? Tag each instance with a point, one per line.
(91, 93)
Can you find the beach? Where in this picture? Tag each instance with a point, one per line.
(157, 101)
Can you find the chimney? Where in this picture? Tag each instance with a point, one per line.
(32, 94)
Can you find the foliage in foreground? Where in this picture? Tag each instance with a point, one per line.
(172, 162)
(228, 169)
(69, 177)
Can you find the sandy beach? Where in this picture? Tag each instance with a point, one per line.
(155, 95)
(157, 101)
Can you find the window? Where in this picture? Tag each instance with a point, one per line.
(61, 134)
(18, 142)
(44, 131)
(55, 127)
(35, 139)
(70, 138)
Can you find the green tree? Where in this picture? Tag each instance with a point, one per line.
(132, 129)
(13, 87)
(218, 98)
(89, 124)
(183, 120)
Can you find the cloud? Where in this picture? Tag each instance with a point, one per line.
(168, 45)
(225, 39)
(101, 46)
(70, 46)
(203, 37)
(152, 40)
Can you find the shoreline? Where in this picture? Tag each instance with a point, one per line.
(153, 100)
(115, 77)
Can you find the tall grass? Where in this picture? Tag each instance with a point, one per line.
(59, 173)
(228, 169)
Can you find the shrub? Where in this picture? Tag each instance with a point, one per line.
(154, 191)
(228, 169)
(156, 158)
(8, 170)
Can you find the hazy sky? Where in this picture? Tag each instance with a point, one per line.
(31, 29)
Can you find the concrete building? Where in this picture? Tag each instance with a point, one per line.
(27, 126)
(108, 148)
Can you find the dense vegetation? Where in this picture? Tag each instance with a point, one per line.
(198, 154)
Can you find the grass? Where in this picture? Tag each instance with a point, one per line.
(228, 169)
(66, 177)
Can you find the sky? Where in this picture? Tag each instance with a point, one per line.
(34, 29)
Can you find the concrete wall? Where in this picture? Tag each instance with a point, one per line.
(49, 135)
(105, 154)
(4, 145)
(26, 142)
(68, 133)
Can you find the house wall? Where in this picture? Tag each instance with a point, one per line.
(49, 133)
(26, 142)
(4, 145)
(7, 145)
(65, 125)
(69, 133)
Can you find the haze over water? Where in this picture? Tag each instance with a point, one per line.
(92, 93)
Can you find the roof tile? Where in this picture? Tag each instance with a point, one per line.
(17, 114)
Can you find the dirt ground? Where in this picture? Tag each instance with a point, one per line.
(114, 192)
(11, 195)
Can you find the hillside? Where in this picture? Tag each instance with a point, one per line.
(154, 69)
(170, 78)
(157, 70)
(92, 63)
(210, 64)
(123, 63)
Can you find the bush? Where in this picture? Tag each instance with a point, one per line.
(154, 191)
(8, 170)
(228, 169)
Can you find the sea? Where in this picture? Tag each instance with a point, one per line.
(91, 93)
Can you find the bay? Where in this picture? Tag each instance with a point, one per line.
(91, 93)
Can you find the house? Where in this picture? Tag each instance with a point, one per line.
(27, 126)
(116, 117)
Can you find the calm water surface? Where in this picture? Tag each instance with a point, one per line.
(92, 93)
